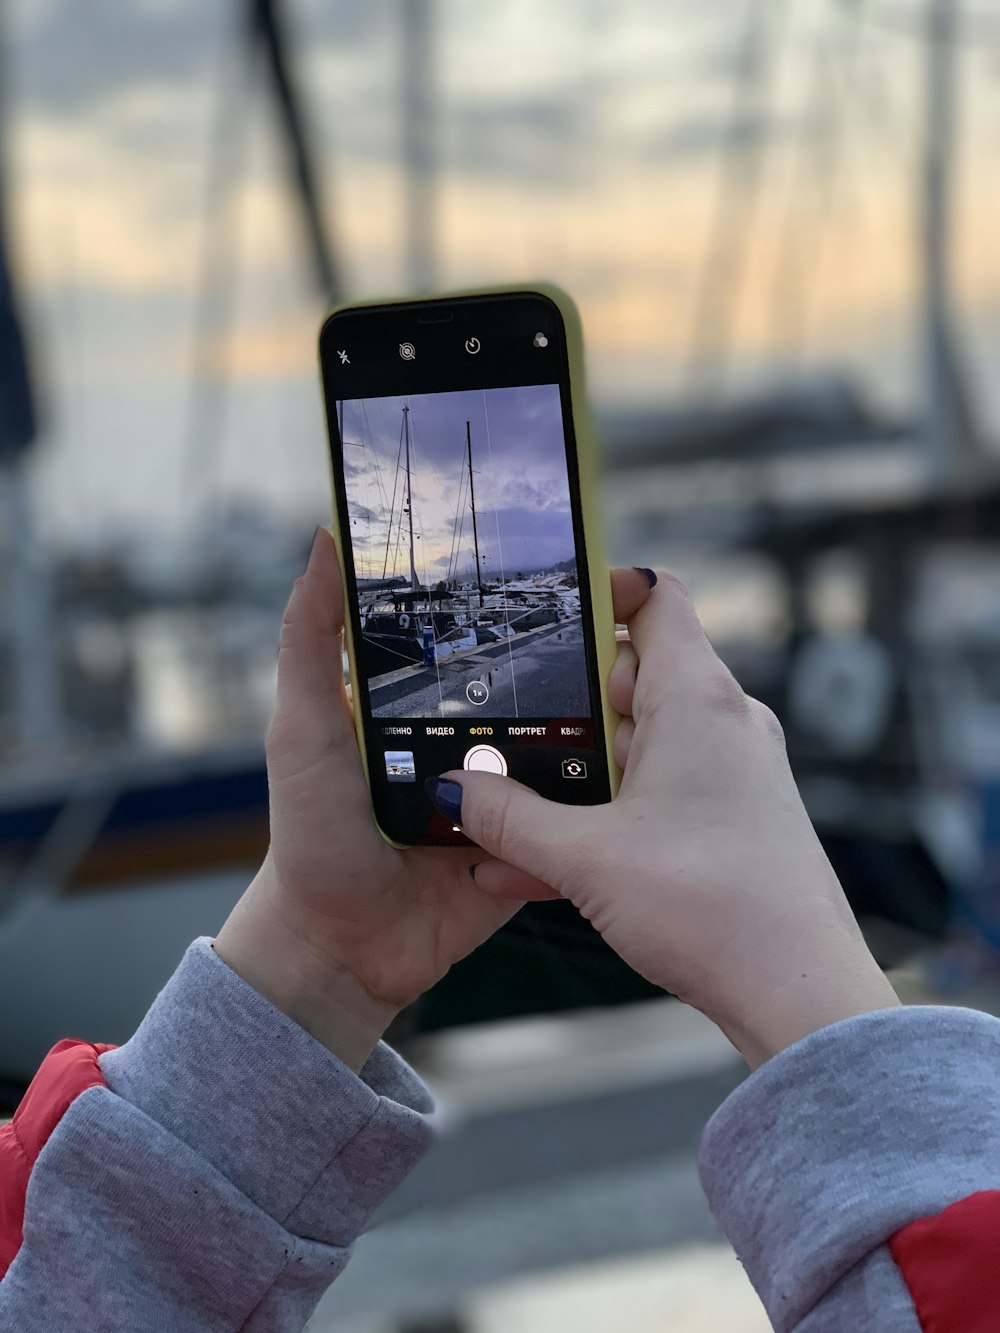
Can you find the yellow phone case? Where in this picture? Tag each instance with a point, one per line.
(588, 463)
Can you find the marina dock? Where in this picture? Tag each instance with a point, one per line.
(538, 673)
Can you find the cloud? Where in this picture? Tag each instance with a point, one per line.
(520, 524)
(710, 132)
(359, 513)
(75, 55)
(530, 137)
(531, 496)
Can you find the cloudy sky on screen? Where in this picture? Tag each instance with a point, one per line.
(519, 472)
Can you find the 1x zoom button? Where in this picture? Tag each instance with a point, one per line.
(476, 692)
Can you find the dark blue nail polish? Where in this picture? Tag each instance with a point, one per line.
(446, 798)
(649, 573)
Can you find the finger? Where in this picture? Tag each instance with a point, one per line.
(624, 733)
(666, 633)
(311, 710)
(513, 823)
(621, 681)
(447, 875)
(507, 883)
(629, 590)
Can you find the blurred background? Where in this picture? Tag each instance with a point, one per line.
(778, 221)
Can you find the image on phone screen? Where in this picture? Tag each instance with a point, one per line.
(464, 555)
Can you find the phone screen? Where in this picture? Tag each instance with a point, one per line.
(458, 498)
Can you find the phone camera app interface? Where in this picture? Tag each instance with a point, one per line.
(464, 554)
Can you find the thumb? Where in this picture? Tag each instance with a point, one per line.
(312, 718)
(514, 823)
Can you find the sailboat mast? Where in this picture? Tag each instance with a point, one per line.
(418, 105)
(33, 657)
(949, 428)
(409, 496)
(472, 503)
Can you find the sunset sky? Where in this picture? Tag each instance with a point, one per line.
(580, 140)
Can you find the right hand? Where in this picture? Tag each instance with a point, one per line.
(705, 873)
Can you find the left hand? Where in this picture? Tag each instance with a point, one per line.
(339, 929)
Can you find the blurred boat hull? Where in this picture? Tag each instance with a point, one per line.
(90, 965)
(107, 877)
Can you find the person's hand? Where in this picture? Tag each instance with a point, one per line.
(705, 873)
(339, 929)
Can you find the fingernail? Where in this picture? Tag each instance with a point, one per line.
(472, 871)
(649, 573)
(446, 798)
(315, 544)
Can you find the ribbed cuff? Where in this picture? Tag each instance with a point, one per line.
(310, 1142)
(840, 1140)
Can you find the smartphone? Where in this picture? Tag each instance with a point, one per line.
(479, 625)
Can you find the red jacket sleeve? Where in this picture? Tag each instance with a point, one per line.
(856, 1175)
(951, 1264)
(69, 1069)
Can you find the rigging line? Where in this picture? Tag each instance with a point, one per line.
(386, 432)
(454, 528)
(454, 523)
(375, 456)
(816, 174)
(396, 653)
(418, 105)
(392, 507)
(202, 446)
(376, 463)
(379, 478)
(422, 572)
(867, 101)
(460, 524)
(387, 435)
(380, 404)
(458, 547)
(268, 28)
(975, 30)
(367, 505)
(426, 580)
(503, 577)
(399, 542)
(744, 154)
(356, 484)
(874, 148)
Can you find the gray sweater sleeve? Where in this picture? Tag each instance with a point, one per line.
(815, 1162)
(219, 1179)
